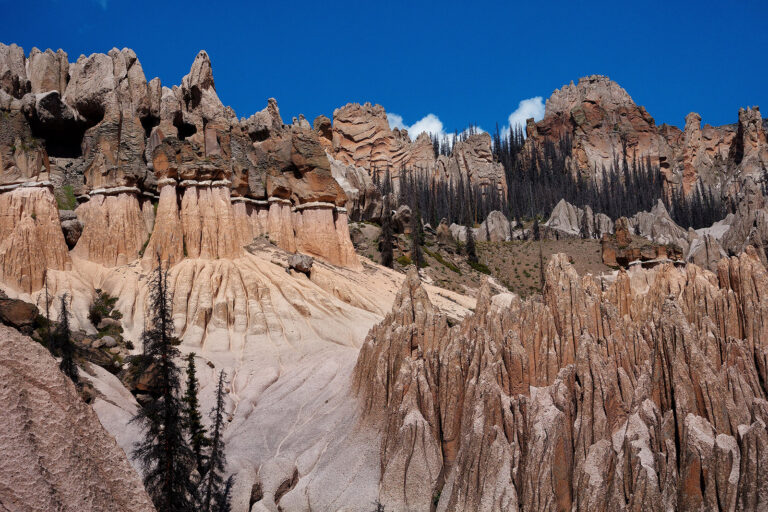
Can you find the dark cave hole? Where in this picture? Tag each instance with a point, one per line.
(149, 122)
(184, 129)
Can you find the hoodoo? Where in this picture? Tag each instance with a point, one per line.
(379, 310)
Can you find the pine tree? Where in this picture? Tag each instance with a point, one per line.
(542, 279)
(470, 245)
(536, 229)
(417, 239)
(165, 456)
(224, 497)
(584, 231)
(192, 416)
(213, 487)
(387, 237)
(62, 345)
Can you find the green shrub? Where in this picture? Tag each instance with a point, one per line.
(443, 261)
(65, 198)
(404, 260)
(479, 267)
(102, 307)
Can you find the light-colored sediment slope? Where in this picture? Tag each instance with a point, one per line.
(288, 344)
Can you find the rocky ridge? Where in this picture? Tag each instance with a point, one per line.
(361, 136)
(644, 393)
(156, 170)
(603, 124)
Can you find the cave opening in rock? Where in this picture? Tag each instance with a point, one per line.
(61, 141)
(148, 122)
(184, 129)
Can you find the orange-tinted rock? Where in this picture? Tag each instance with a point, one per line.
(207, 221)
(31, 239)
(114, 229)
(167, 238)
(322, 231)
(595, 396)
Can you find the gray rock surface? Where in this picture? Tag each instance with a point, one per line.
(301, 263)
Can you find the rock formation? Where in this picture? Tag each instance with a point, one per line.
(568, 220)
(597, 396)
(495, 228)
(603, 125)
(155, 170)
(56, 454)
(362, 137)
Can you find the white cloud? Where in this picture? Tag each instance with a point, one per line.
(395, 121)
(429, 123)
(526, 109)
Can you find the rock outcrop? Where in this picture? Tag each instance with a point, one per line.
(362, 137)
(568, 220)
(495, 228)
(156, 170)
(56, 454)
(596, 396)
(601, 126)
(472, 162)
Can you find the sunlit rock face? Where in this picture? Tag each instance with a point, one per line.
(56, 454)
(361, 137)
(600, 395)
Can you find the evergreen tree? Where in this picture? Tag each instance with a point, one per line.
(387, 237)
(214, 489)
(417, 239)
(584, 229)
(224, 497)
(164, 454)
(192, 416)
(470, 245)
(542, 279)
(536, 229)
(62, 345)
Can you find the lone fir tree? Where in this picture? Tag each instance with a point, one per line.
(192, 417)
(470, 246)
(164, 453)
(62, 345)
(215, 491)
(387, 237)
(417, 239)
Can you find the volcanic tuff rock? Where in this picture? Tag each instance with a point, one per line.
(603, 124)
(98, 126)
(568, 220)
(495, 228)
(639, 394)
(472, 161)
(362, 137)
(56, 454)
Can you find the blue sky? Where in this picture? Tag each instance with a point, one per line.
(461, 62)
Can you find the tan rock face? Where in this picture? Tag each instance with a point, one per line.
(601, 119)
(596, 396)
(22, 157)
(31, 239)
(13, 75)
(47, 71)
(601, 123)
(362, 137)
(114, 229)
(56, 454)
(472, 160)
